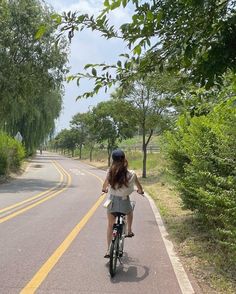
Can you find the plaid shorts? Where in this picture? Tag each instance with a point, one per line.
(119, 204)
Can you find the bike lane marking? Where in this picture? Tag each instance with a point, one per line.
(51, 195)
(42, 273)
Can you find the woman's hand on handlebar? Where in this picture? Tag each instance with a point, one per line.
(141, 192)
(105, 190)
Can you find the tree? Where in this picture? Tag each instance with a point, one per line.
(196, 36)
(150, 97)
(31, 71)
(81, 123)
(113, 121)
(84, 123)
(67, 140)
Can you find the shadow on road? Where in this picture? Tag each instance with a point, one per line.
(24, 185)
(129, 271)
(46, 158)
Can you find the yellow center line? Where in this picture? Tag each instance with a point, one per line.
(42, 273)
(35, 196)
(40, 201)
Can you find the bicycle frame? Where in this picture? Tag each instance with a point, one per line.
(117, 243)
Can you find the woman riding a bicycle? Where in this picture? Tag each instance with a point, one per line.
(119, 183)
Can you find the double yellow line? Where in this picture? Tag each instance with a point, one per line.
(43, 272)
(23, 206)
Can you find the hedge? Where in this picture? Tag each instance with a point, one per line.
(202, 156)
(11, 154)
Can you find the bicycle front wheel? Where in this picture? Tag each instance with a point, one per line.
(114, 253)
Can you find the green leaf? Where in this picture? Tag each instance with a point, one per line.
(41, 31)
(137, 50)
(150, 16)
(70, 78)
(135, 18)
(124, 3)
(88, 65)
(115, 4)
(106, 3)
(159, 16)
(124, 55)
(96, 88)
(119, 63)
(205, 56)
(57, 18)
(94, 72)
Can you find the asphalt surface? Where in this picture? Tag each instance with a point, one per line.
(52, 242)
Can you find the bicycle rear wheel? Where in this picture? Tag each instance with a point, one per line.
(122, 240)
(114, 253)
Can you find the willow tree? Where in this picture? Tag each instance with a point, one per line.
(31, 71)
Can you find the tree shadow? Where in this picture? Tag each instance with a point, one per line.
(28, 185)
(46, 158)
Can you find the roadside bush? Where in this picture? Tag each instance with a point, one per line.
(11, 154)
(202, 157)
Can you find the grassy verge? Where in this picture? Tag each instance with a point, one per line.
(197, 252)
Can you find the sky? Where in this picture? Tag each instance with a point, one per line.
(87, 47)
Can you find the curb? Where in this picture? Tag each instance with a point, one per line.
(182, 277)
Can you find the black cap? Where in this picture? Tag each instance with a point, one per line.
(118, 155)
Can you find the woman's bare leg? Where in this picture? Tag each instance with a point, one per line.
(130, 221)
(111, 220)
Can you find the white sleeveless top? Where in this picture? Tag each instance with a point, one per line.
(124, 191)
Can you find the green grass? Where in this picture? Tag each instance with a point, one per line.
(135, 160)
(137, 140)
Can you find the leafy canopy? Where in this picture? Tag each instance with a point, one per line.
(194, 36)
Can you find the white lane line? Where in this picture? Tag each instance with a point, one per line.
(77, 172)
(180, 273)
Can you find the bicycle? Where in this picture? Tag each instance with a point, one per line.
(117, 243)
(118, 239)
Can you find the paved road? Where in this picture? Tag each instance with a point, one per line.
(53, 235)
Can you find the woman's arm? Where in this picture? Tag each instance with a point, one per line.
(105, 186)
(139, 186)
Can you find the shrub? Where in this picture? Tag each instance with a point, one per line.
(202, 156)
(11, 154)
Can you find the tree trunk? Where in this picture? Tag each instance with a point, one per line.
(109, 157)
(91, 154)
(145, 144)
(144, 174)
(80, 151)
